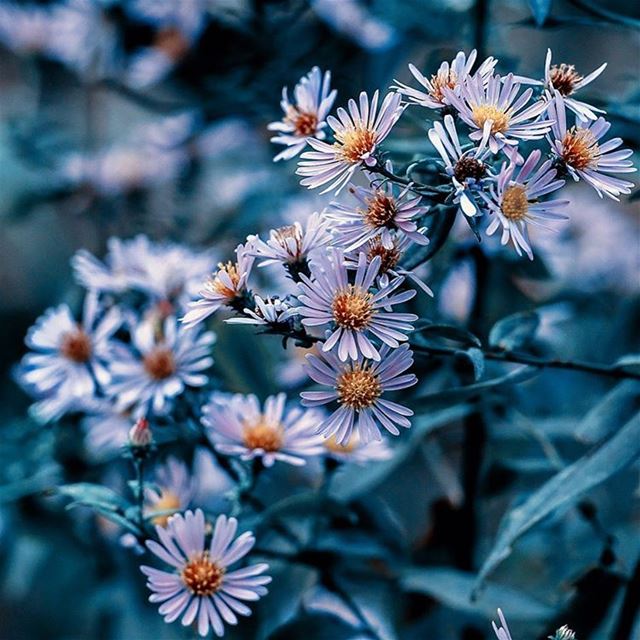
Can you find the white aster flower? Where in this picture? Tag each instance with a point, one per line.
(514, 201)
(566, 81)
(306, 117)
(266, 311)
(292, 245)
(581, 153)
(377, 213)
(356, 312)
(200, 588)
(502, 632)
(467, 169)
(495, 107)
(449, 75)
(357, 134)
(25, 29)
(226, 287)
(358, 388)
(172, 490)
(238, 426)
(68, 358)
(157, 368)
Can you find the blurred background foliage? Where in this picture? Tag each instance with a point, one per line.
(136, 124)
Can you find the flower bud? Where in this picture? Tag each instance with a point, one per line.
(140, 434)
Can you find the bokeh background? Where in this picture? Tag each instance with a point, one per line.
(149, 116)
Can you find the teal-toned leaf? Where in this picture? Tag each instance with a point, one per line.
(450, 332)
(630, 360)
(564, 488)
(540, 10)
(454, 589)
(610, 412)
(514, 332)
(94, 495)
(476, 358)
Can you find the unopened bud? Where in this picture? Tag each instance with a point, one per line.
(140, 434)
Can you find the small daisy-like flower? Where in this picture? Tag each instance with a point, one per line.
(563, 633)
(239, 426)
(357, 452)
(356, 311)
(292, 245)
(358, 387)
(201, 588)
(306, 118)
(68, 358)
(389, 260)
(267, 311)
(227, 286)
(467, 169)
(159, 367)
(171, 491)
(514, 201)
(377, 213)
(566, 81)
(495, 107)
(449, 75)
(357, 134)
(502, 632)
(581, 153)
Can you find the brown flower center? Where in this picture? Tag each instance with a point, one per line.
(467, 168)
(304, 123)
(358, 388)
(159, 363)
(201, 576)
(381, 210)
(172, 43)
(352, 308)
(263, 435)
(168, 501)
(580, 149)
(482, 113)
(76, 346)
(514, 203)
(353, 144)
(217, 285)
(564, 78)
(389, 258)
(440, 81)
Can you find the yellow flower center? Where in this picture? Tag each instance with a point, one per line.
(352, 308)
(358, 388)
(332, 445)
(564, 78)
(201, 576)
(500, 118)
(159, 363)
(514, 203)
(220, 287)
(381, 210)
(580, 149)
(76, 346)
(353, 144)
(168, 501)
(263, 435)
(440, 81)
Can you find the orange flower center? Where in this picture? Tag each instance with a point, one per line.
(201, 576)
(222, 288)
(564, 78)
(332, 445)
(304, 123)
(76, 346)
(514, 203)
(580, 149)
(159, 363)
(353, 144)
(352, 308)
(358, 388)
(171, 42)
(440, 81)
(500, 118)
(263, 435)
(168, 501)
(389, 258)
(381, 210)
